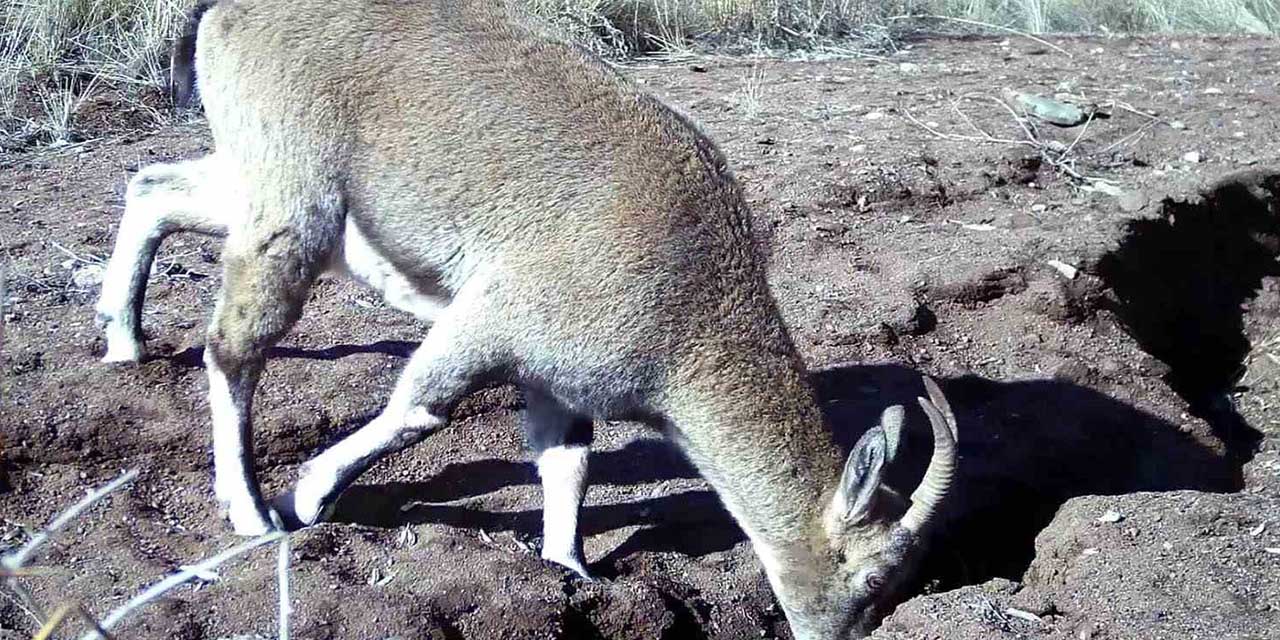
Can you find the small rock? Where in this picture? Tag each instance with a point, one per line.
(88, 276)
(1023, 615)
(830, 227)
(909, 68)
(1111, 517)
(1020, 220)
(1074, 372)
(1132, 200)
(1065, 269)
(874, 115)
(1192, 157)
(1038, 208)
(1178, 125)
(1213, 91)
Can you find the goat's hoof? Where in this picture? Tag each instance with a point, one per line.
(131, 353)
(286, 506)
(249, 522)
(575, 565)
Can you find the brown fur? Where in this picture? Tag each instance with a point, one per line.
(613, 245)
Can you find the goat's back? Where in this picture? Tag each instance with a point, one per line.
(459, 136)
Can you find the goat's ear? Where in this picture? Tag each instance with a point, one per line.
(891, 421)
(855, 495)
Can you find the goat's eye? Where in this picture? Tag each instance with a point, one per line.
(874, 581)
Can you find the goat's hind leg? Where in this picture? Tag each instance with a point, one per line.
(160, 200)
(561, 441)
(268, 269)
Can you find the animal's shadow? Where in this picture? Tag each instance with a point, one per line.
(1026, 447)
(193, 356)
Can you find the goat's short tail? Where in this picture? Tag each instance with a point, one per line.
(182, 60)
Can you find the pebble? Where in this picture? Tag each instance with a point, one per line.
(1111, 517)
(88, 276)
(1132, 200)
(1192, 157)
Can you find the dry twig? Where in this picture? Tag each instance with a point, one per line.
(17, 559)
(13, 564)
(988, 25)
(160, 588)
(1059, 158)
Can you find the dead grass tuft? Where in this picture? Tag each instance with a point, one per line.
(56, 56)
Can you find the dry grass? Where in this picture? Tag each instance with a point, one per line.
(55, 55)
(1111, 16)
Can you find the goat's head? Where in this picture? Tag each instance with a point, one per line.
(863, 553)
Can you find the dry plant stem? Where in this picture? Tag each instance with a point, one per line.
(955, 137)
(17, 559)
(75, 256)
(20, 600)
(976, 23)
(55, 621)
(160, 588)
(60, 615)
(1067, 152)
(14, 562)
(1058, 161)
(282, 574)
(1141, 130)
(282, 578)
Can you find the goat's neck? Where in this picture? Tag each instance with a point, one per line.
(755, 432)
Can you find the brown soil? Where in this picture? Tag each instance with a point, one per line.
(1145, 385)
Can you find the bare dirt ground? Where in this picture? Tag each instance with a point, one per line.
(1143, 389)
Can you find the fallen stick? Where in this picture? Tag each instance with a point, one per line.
(988, 25)
(160, 588)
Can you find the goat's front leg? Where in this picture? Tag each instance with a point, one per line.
(267, 274)
(562, 441)
(161, 199)
(457, 352)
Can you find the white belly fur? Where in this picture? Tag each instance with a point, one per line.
(360, 261)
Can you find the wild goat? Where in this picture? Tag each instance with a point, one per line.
(560, 229)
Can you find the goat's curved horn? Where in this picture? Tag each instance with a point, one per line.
(927, 497)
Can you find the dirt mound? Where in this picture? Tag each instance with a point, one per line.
(1182, 564)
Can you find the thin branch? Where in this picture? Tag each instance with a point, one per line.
(282, 575)
(1078, 136)
(55, 621)
(20, 599)
(160, 588)
(60, 616)
(91, 260)
(17, 559)
(1141, 130)
(988, 25)
(956, 137)
(1031, 136)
